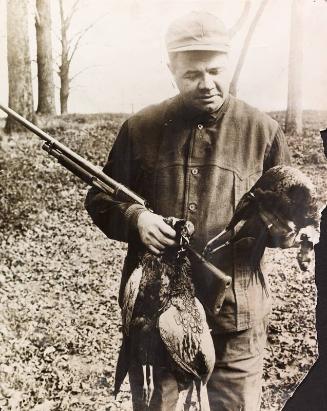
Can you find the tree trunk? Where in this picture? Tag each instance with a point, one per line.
(293, 123)
(19, 63)
(65, 62)
(247, 41)
(46, 97)
(64, 88)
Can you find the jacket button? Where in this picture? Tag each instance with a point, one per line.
(192, 207)
(195, 171)
(200, 126)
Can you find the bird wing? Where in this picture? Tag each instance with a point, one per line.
(130, 295)
(190, 347)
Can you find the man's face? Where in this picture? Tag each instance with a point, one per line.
(202, 78)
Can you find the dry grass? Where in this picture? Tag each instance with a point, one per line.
(59, 277)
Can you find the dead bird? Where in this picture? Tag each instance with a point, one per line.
(280, 210)
(160, 308)
(161, 313)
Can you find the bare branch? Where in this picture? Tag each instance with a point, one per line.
(82, 71)
(37, 16)
(238, 25)
(73, 10)
(247, 41)
(80, 36)
(62, 15)
(74, 50)
(82, 32)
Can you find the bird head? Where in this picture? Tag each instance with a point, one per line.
(184, 230)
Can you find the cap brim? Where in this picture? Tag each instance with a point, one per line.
(200, 47)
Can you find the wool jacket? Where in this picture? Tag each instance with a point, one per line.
(197, 168)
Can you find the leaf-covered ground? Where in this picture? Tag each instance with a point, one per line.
(59, 278)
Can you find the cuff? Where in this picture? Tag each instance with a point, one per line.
(132, 214)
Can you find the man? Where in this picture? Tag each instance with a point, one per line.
(193, 157)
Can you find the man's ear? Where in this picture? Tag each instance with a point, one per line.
(170, 68)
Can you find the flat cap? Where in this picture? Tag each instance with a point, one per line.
(197, 31)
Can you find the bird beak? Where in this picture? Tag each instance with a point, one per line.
(220, 241)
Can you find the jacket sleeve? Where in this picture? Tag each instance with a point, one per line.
(278, 152)
(117, 219)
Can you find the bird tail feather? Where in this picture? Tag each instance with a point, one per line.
(203, 398)
(122, 366)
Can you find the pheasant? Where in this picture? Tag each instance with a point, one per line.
(280, 210)
(160, 312)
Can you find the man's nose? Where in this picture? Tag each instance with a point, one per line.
(206, 82)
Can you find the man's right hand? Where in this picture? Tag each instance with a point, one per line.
(155, 234)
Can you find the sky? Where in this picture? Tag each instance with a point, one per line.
(122, 58)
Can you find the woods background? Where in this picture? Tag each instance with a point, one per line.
(59, 276)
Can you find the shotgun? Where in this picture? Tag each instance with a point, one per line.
(93, 176)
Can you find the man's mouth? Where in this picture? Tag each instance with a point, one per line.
(206, 97)
(209, 97)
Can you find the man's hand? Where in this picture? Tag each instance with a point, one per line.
(308, 237)
(155, 234)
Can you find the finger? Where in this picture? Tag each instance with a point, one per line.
(169, 242)
(163, 240)
(154, 250)
(167, 230)
(155, 242)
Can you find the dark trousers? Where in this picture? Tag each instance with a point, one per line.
(235, 384)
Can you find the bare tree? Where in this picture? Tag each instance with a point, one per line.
(65, 60)
(46, 88)
(19, 63)
(293, 123)
(246, 44)
(69, 46)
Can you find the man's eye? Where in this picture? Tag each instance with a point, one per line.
(215, 72)
(190, 76)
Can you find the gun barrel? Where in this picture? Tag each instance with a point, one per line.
(52, 143)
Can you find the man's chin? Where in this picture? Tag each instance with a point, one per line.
(210, 105)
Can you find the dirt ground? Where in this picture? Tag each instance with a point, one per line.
(59, 277)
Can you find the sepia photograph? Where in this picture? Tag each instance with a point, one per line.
(163, 226)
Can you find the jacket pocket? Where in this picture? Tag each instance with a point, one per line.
(243, 183)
